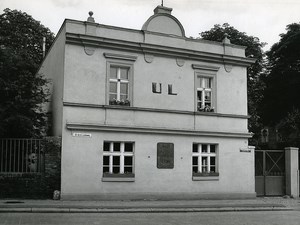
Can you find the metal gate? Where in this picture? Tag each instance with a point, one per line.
(270, 172)
(21, 156)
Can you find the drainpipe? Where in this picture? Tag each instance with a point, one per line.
(44, 46)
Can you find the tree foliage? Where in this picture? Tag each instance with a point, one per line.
(22, 91)
(281, 104)
(254, 49)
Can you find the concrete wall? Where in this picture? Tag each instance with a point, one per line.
(82, 172)
(132, 118)
(138, 36)
(292, 182)
(85, 76)
(163, 24)
(85, 82)
(53, 69)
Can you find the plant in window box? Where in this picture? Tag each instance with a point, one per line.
(126, 102)
(119, 102)
(207, 108)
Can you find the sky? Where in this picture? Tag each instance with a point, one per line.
(265, 19)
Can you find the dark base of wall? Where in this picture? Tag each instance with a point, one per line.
(159, 196)
(30, 187)
(35, 185)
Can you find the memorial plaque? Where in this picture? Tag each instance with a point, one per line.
(165, 155)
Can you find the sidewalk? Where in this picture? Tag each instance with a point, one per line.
(147, 206)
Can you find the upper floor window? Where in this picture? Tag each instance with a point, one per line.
(205, 87)
(119, 78)
(204, 94)
(119, 86)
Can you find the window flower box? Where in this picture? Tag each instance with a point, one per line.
(119, 175)
(119, 102)
(206, 109)
(212, 176)
(206, 174)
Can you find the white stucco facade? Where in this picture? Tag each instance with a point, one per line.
(79, 64)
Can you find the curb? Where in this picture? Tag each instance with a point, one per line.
(141, 210)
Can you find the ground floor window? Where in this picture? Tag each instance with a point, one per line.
(118, 159)
(204, 160)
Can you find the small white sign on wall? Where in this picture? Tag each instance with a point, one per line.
(245, 149)
(77, 134)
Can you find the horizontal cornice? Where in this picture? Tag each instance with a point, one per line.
(146, 48)
(205, 67)
(119, 56)
(130, 108)
(152, 130)
(126, 29)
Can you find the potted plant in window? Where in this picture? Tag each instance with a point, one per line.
(207, 108)
(119, 102)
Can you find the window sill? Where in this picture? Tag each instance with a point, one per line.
(118, 177)
(205, 176)
(206, 113)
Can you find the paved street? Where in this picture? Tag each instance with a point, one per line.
(207, 218)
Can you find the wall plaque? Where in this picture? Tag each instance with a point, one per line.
(81, 134)
(165, 155)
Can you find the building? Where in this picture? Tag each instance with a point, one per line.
(149, 114)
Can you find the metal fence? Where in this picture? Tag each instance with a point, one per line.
(21, 156)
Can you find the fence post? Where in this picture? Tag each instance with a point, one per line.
(292, 171)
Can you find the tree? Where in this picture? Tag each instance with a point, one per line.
(22, 91)
(254, 83)
(281, 105)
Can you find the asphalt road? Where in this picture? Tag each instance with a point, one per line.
(208, 218)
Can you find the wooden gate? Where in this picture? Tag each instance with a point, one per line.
(270, 172)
